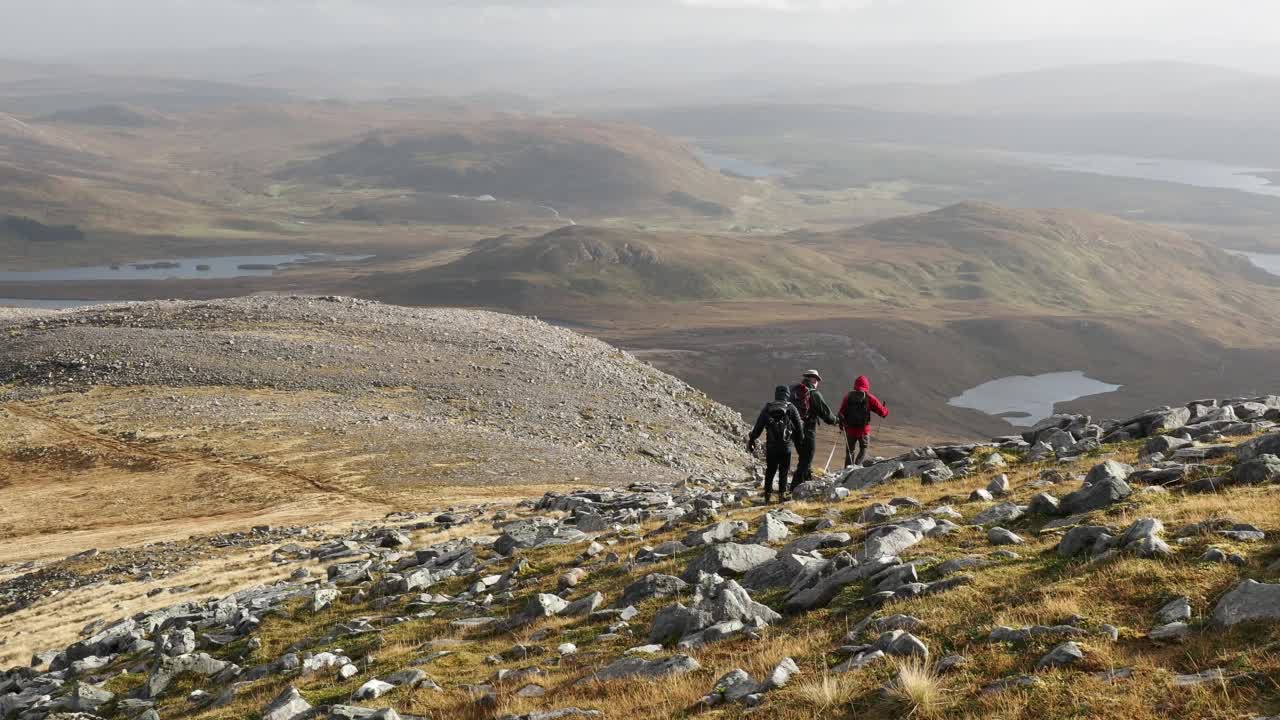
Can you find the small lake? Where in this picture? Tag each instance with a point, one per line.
(737, 166)
(1267, 261)
(200, 268)
(1024, 400)
(1184, 172)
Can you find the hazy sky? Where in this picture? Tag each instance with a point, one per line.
(83, 24)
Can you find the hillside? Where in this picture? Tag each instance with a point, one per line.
(575, 164)
(1119, 566)
(972, 254)
(609, 265)
(170, 411)
(1066, 259)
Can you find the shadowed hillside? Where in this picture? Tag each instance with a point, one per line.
(580, 165)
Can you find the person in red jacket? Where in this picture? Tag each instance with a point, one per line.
(855, 418)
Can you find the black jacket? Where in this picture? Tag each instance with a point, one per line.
(793, 417)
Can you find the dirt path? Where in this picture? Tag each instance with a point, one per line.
(69, 428)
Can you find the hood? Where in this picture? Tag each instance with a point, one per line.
(782, 392)
(862, 383)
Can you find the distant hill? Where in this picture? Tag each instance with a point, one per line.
(579, 262)
(1063, 259)
(577, 165)
(119, 115)
(967, 256)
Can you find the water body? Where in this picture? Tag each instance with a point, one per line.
(201, 268)
(1024, 400)
(1183, 172)
(1267, 261)
(737, 166)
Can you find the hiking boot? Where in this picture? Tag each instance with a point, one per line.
(766, 498)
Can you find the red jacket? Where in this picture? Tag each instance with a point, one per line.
(873, 403)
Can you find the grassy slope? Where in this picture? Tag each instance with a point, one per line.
(1037, 588)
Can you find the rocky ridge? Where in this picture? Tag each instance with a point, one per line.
(577, 595)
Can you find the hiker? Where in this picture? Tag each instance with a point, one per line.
(855, 418)
(780, 421)
(812, 407)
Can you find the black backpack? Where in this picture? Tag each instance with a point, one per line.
(777, 424)
(857, 410)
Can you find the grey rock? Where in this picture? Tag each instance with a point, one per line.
(288, 705)
(999, 486)
(889, 544)
(771, 530)
(717, 533)
(1265, 445)
(636, 667)
(1001, 536)
(1043, 504)
(1250, 601)
(1174, 611)
(1107, 490)
(999, 514)
(1170, 632)
(981, 495)
(729, 559)
(651, 586)
(372, 690)
(1068, 653)
(1258, 470)
(878, 513)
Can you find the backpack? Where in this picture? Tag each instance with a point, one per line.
(800, 398)
(777, 425)
(857, 410)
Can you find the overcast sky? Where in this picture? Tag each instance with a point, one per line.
(1234, 32)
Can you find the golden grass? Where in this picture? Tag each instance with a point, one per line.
(1037, 588)
(919, 687)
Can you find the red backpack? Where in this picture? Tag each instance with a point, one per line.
(800, 398)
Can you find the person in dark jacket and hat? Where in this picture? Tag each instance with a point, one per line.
(780, 423)
(855, 418)
(812, 407)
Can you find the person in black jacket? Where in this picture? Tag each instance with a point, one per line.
(780, 422)
(813, 407)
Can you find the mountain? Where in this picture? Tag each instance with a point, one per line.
(968, 254)
(320, 507)
(118, 115)
(578, 263)
(1053, 259)
(577, 165)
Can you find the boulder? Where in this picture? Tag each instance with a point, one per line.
(288, 705)
(999, 514)
(1105, 491)
(718, 533)
(1265, 445)
(1258, 470)
(771, 530)
(999, 485)
(1250, 601)
(869, 477)
(637, 667)
(729, 559)
(1043, 504)
(1093, 539)
(889, 544)
(1174, 611)
(1068, 653)
(1000, 536)
(651, 586)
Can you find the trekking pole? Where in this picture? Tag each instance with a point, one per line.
(829, 457)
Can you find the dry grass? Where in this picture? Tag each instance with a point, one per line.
(1037, 588)
(919, 687)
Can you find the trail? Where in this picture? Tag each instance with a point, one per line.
(185, 458)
